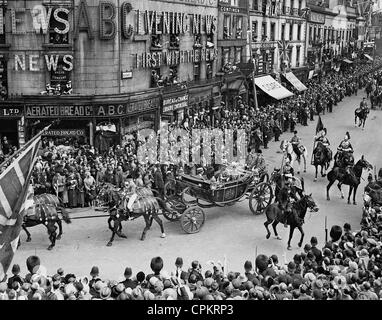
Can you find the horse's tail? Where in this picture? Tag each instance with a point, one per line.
(65, 216)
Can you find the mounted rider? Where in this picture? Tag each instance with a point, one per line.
(345, 151)
(130, 189)
(296, 143)
(289, 196)
(322, 138)
(363, 104)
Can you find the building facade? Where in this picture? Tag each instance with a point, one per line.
(278, 31)
(331, 32)
(109, 65)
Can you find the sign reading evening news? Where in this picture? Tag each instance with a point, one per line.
(131, 22)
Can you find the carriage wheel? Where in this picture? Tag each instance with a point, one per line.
(173, 208)
(260, 198)
(188, 198)
(192, 220)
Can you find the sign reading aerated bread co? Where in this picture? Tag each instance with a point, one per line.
(65, 132)
(58, 111)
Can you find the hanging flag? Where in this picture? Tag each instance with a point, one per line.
(14, 187)
(320, 125)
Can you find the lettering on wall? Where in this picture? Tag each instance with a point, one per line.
(35, 62)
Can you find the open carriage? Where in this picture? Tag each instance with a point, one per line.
(188, 196)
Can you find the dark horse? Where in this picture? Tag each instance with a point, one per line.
(320, 158)
(351, 178)
(295, 219)
(45, 210)
(145, 205)
(361, 114)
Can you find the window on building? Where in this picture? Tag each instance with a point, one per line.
(310, 35)
(283, 31)
(3, 78)
(325, 34)
(238, 55)
(298, 50)
(273, 31)
(299, 28)
(156, 78)
(2, 36)
(57, 38)
(299, 6)
(209, 70)
(225, 57)
(254, 31)
(227, 27)
(174, 41)
(59, 78)
(255, 5)
(264, 31)
(290, 31)
(196, 71)
(239, 27)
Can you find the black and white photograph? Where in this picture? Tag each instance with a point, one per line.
(190, 150)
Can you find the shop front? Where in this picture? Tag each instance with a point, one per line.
(11, 127)
(142, 112)
(174, 106)
(200, 104)
(232, 90)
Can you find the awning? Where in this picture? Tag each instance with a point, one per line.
(295, 81)
(271, 87)
(234, 85)
(367, 56)
(347, 61)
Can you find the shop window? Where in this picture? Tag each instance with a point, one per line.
(174, 42)
(209, 70)
(198, 41)
(227, 27)
(156, 78)
(3, 79)
(254, 30)
(196, 71)
(239, 27)
(156, 42)
(54, 37)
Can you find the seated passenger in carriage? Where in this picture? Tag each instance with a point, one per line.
(255, 160)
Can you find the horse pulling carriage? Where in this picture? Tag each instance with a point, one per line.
(188, 196)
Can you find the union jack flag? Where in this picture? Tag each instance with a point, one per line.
(283, 49)
(15, 190)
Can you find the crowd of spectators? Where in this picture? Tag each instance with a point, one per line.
(347, 267)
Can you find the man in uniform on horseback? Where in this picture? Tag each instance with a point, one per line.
(296, 141)
(345, 157)
(286, 198)
(322, 138)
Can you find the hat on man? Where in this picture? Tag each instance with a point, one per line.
(128, 272)
(94, 271)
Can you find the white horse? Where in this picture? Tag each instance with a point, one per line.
(287, 147)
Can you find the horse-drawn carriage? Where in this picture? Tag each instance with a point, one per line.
(188, 196)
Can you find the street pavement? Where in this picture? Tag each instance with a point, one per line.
(231, 232)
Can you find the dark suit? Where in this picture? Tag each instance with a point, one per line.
(158, 181)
